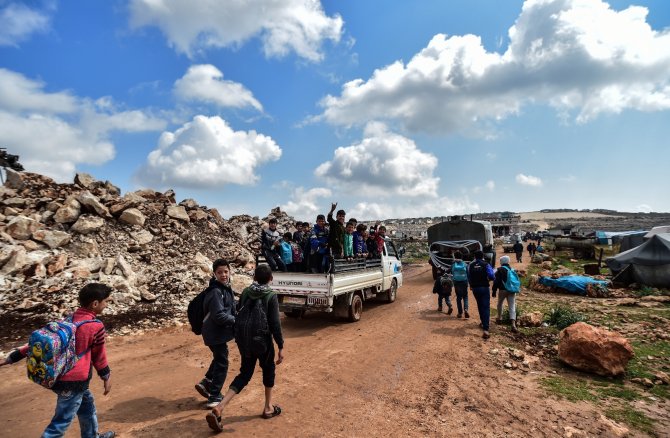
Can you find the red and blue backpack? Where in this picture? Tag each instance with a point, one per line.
(52, 351)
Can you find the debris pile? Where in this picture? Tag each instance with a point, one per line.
(54, 238)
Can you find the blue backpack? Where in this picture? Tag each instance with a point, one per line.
(286, 253)
(459, 271)
(52, 351)
(512, 284)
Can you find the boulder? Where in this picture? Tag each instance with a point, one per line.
(189, 203)
(178, 212)
(84, 180)
(16, 261)
(68, 212)
(90, 201)
(52, 238)
(14, 179)
(533, 319)
(132, 216)
(21, 227)
(142, 237)
(88, 224)
(15, 202)
(57, 264)
(593, 349)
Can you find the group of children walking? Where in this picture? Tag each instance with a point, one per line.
(478, 274)
(69, 349)
(309, 249)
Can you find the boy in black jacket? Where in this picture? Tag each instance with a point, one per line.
(217, 330)
(261, 291)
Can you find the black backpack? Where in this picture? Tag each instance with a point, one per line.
(251, 327)
(478, 274)
(196, 311)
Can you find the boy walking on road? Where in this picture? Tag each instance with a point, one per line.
(459, 273)
(217, 330)
(74, 397)
(252, 349)
(479, 275)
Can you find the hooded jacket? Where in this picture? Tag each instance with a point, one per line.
(218, 327)
(269, 299)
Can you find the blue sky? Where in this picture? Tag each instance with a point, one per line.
(390, 110)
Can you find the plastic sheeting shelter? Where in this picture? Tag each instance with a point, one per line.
(649, 263)
(576, 284)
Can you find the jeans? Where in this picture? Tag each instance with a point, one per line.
(274, 260)
(511, 304)
(483, 297)
(446, 298)
(267, 364)
(461, 288)
(69, 404)
(218, 369)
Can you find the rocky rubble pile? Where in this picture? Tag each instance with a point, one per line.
(54, 238)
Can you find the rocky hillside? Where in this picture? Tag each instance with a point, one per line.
(155, 253)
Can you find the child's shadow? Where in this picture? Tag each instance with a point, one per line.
(146, 409)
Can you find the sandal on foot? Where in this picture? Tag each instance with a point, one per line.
(214, 422)
(276, 410)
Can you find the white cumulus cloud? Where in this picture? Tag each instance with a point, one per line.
(207, 153)
(298, 26)
(411, 207)
(18, 21)
(643, 208)
(53, 132)
(205, 83)
(579, 56)
(305, 205)
(528, 180)
(384, 164)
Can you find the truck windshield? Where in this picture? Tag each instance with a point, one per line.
(389, 249)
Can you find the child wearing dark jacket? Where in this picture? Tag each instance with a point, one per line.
(74, 397)
(217, 331)
(442, 287)
(259, 290)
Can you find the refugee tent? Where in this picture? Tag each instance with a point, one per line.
(649, 263)
(657, 230)
(630, 241)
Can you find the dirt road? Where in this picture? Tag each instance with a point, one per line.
(403, 370)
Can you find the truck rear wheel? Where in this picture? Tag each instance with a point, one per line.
(390, 295)
(356, 308)
(295, 313)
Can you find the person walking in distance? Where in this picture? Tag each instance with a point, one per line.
(480, 273)
(518, 251)
(459, 274)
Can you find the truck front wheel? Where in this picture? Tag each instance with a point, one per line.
(390, 295)
(356, 308)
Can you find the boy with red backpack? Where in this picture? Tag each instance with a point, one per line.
(87, 342)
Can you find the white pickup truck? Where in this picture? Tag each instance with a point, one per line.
(344, 289)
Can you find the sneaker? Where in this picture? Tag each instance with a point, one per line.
(450, 311)
(460, 315)
(213, 402)
(467, 315)
(439, 309)
(203, 388)
(109, 434)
